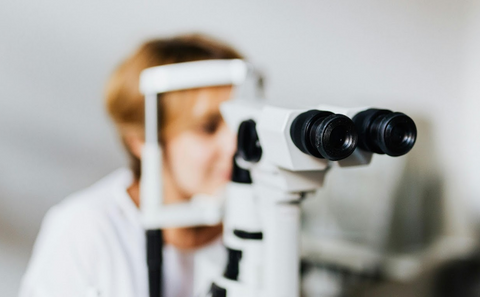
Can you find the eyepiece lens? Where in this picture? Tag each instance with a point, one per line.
(382, 131)
(398, 135)
(338, 137)
(323, 134)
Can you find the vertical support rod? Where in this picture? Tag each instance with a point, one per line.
(282, 245)
(151, 194)
(151, 186)
(155, 262)
(151, 119)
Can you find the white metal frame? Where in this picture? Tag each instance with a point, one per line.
(166, 78)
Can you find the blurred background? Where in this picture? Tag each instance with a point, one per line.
(399, 217)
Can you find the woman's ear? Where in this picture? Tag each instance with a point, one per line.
(134, 144)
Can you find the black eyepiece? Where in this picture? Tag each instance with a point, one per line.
(382, 131)
(323, 134)
(248, 144)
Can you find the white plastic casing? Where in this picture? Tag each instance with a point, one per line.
(273, 128)
(242, 212)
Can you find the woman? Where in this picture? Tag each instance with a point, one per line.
(92, 244)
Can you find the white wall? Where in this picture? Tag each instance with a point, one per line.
(55, 57)
(468, 160)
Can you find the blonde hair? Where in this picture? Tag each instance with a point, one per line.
(125, 103)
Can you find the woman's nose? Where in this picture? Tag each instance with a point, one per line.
(228, 142)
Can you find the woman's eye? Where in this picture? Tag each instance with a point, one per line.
(209, 127)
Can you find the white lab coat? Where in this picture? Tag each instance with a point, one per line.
(92, 244)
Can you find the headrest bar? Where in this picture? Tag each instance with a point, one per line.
(189, 75)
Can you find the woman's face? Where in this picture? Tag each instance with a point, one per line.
(199, 158)
(198, 155)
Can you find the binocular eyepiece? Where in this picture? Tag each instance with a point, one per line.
(323, 134)
(382, 131)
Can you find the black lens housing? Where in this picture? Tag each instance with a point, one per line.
(382, 131)
(323, 134)
(248, 144)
